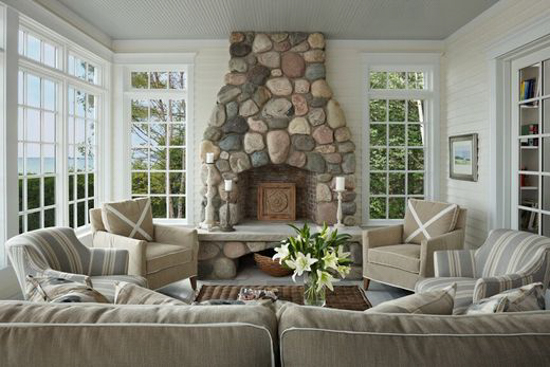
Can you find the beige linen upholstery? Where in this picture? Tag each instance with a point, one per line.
(388, 260)
(49, 335)
(130, 218)
(438, 302)
(320, 337)
(131, 294)
(172, 256)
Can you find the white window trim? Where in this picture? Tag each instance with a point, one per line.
(430, 64)
(125, 63)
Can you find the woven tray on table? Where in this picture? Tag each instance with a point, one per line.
(344, 297)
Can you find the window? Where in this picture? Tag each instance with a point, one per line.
(37, 144)
(158, 140)
(399, 119)
(37, 49)
(58, 120)
(81, 152)
(83, 69)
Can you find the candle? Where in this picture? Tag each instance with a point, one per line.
(340, 183)
(228, 185)
(209, 157)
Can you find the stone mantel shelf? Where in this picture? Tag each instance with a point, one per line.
(251, 231)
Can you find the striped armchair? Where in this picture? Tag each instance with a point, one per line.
(508, 259)
(58, 252)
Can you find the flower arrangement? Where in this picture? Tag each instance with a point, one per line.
(320, 256)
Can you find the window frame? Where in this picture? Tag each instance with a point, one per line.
(57, 148)
(429, 64)
(148, 93)
(66, 80)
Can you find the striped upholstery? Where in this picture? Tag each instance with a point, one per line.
(456, 263)
(508, 259)
(464, 289)
(57, 251)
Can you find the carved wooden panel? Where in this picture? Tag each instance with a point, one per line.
(276, 201)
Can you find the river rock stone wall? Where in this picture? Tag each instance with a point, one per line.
(276, 107)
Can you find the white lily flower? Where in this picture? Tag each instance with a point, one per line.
(324, 279)
(331, 261)
(342, 254)
(343, 270)
(282, 252)
(301, 264)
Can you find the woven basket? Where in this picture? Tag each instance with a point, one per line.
(271, 267)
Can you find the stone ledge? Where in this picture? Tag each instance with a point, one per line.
(251, 231)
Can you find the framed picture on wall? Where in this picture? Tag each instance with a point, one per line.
(463, 157)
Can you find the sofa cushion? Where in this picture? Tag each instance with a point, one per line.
(436, 302)
(60, 290)
(161, 256)
(427, 219)
(464, 290)
(131, 294)
(527, 298)
(105, 284)
(130, 218)
(405, 257)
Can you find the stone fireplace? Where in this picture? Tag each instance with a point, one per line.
(276, 120)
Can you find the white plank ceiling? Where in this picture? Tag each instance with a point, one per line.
(215, 19)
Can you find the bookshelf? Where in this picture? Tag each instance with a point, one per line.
(531, 100)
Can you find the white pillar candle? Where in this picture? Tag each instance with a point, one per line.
(228, 185)
(340, 183)
(210, 157)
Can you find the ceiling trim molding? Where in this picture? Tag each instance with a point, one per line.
(63, 27)
(169, 45)
(389, 45)
(166, 45)
(154, 58)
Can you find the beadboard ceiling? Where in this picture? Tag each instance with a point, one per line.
(215, 19)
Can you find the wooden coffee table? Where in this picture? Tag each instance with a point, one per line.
(344, 297)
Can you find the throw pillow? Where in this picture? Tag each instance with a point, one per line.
(60, 290)
(438, 302)
(427, 219)
(527, 298)
(130, 218)
(131, 294)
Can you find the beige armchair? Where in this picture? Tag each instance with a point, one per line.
(171, 257)
(388, 259)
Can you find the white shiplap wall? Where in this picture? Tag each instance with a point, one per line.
(465, 102)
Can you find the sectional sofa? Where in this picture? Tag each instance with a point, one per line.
(41, 334)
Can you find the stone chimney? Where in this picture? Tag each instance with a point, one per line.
(276, 108)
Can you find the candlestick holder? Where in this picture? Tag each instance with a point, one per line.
(226, 224)
(339, 215)
(209, 211)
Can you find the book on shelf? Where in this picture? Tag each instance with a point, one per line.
(528, 89)
(529, 129)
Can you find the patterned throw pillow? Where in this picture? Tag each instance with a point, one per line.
(527, 298)
(438, 302)
(131, 294)
(427, 219)
(60, 290)
(130, 218)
